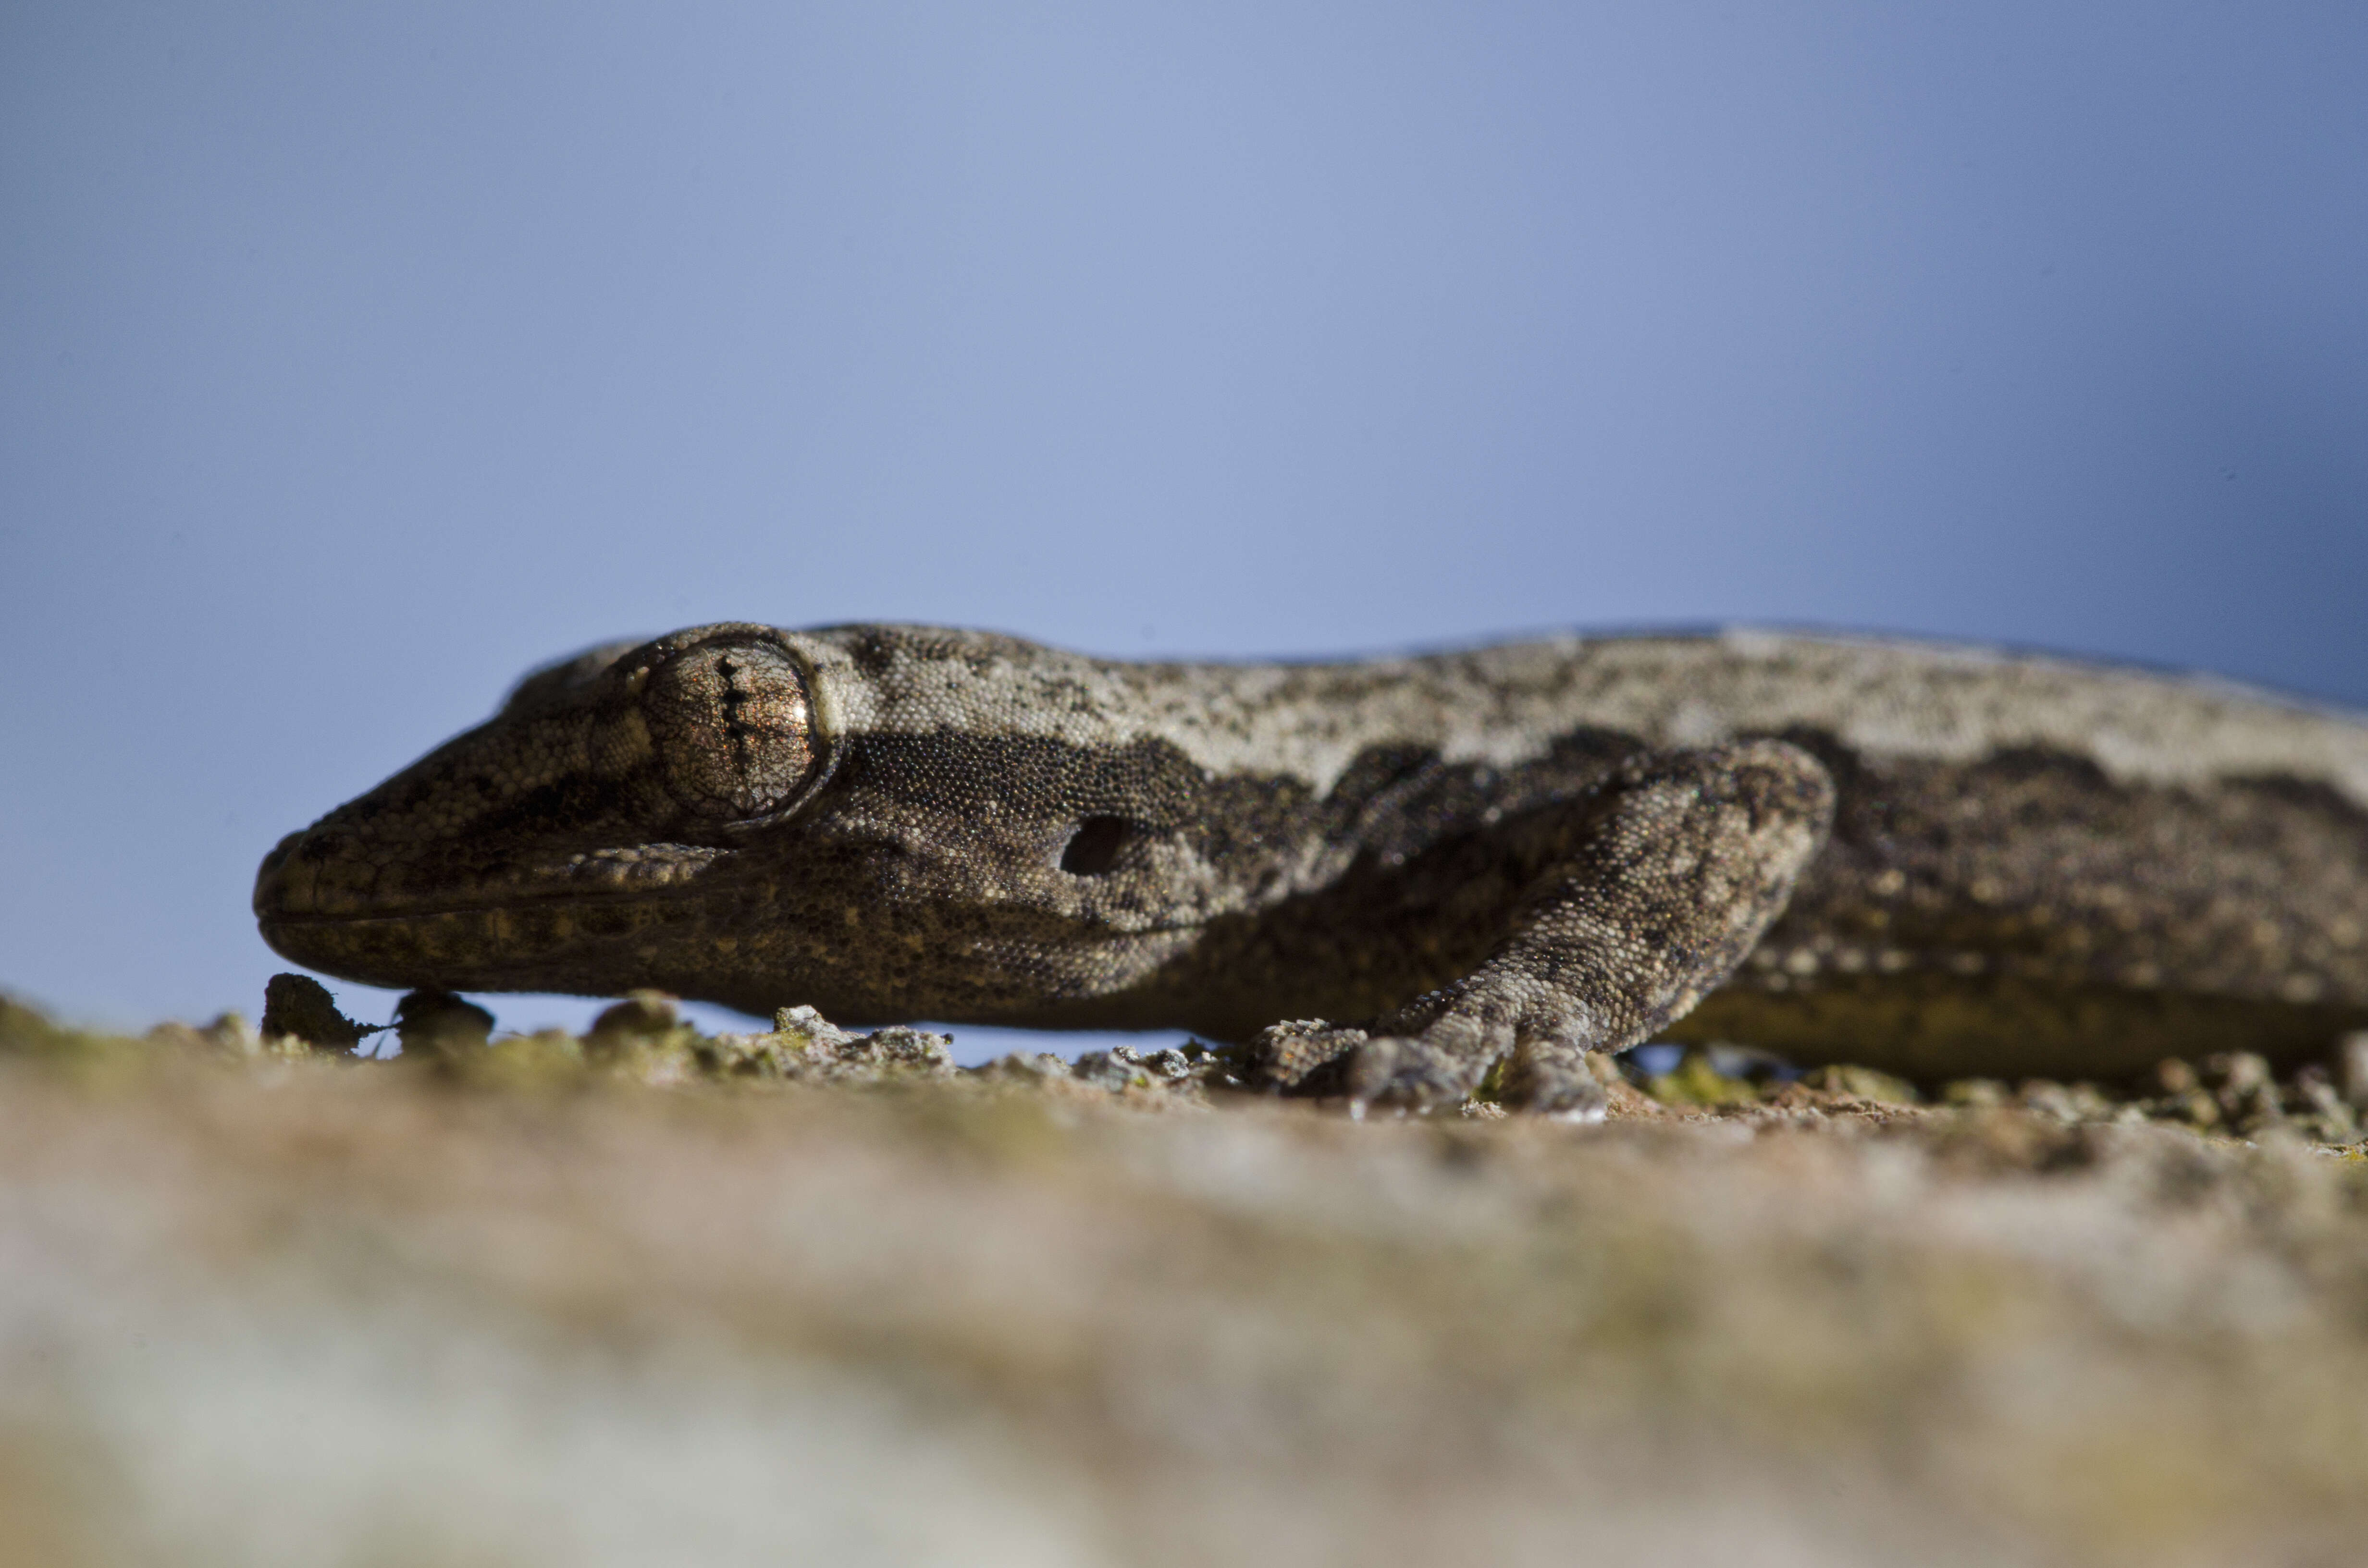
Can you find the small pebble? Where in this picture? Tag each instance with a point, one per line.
(297, 1006)
(2237, 1071)
(439, 1023)
(643, 1015)
(2352, 1064)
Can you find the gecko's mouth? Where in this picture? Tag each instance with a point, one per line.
(442, 918)
(306, 882)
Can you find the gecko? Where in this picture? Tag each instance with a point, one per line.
(1403, 879)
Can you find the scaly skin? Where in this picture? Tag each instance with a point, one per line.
(1936, 860)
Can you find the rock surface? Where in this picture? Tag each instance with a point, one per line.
(650, 1295)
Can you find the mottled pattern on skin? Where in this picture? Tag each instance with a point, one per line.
(1495, 859)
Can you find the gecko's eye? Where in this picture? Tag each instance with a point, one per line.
(734, 730)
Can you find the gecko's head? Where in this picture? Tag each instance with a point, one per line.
(579, 818)
(885, 821)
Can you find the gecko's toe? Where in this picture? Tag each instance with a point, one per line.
(1301, 1057)
(1406, 1076)
(1563, 1089)
(1313, 1060)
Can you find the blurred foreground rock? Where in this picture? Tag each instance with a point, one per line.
(650, 1296)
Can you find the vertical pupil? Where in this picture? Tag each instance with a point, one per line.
(733, 699)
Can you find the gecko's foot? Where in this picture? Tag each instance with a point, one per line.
(1313, 1059)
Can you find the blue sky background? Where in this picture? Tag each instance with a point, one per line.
(354, 358)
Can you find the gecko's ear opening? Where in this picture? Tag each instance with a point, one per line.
(732, 726)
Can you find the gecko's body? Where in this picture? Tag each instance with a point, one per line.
(1940, 860)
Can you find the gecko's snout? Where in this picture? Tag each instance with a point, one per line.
(296, 884)
(322, 870)
(288, 895)
(580, 813)
(275, 891)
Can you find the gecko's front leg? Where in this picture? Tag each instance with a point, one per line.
(1661, 883)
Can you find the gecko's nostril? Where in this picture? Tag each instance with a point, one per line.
(286, 883)
(280, 851)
